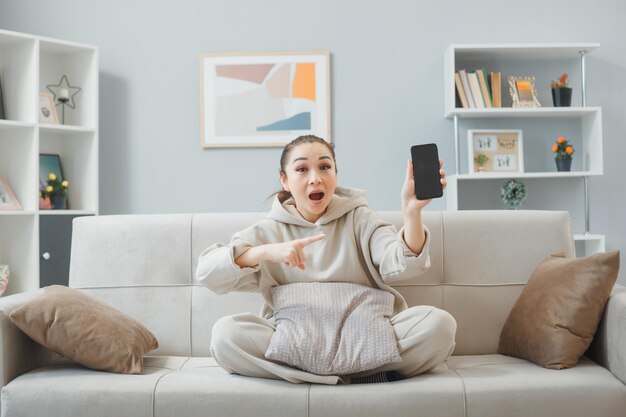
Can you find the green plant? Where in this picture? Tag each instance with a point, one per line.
(54, 186)
(481, 159)
(562, 149)
(561, 82)
(513, 193)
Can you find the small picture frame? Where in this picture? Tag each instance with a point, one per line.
(47, 111)
(495, 151)
(8, 200)
(523, 92)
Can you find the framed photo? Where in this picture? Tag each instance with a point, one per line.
(8, 200)
(523, 92)
(263, 99)
(495, 151)
(49, 163)
(47, 111)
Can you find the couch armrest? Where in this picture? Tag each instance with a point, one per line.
(609, 343)
(19, 353)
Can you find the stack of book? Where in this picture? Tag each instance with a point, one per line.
(478, 90)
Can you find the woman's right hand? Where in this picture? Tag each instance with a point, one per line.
(290, 253)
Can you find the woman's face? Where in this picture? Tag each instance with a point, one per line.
(311, 178)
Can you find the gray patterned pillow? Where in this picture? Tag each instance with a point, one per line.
(332, 328)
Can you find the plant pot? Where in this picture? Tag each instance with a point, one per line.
(58, 202)
(562, 97)
(563, 164)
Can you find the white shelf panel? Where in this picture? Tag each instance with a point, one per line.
(12, 124)
(510, 112)
(50, 128)
(67, 212)
(499, 175)
(588, 237)
(17, 212)
(525, 50)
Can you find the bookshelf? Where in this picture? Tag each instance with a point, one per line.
(27, 64)
(582, 125)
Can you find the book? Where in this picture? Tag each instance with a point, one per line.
(466, 88)
(475, 88)
(496, 90)
(484, 87)
(1, 102)
(460, 91)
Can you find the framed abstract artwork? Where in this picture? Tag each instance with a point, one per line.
(263, 99)
(495, 151)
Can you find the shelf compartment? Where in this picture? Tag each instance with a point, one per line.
(18, 249)
(588, 244)
(18, 162)
(545, 62)
(78, 63)
(18, 75)
(78, 151)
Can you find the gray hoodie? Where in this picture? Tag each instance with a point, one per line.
(359, 247)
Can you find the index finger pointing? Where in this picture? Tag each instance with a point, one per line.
(308, 240)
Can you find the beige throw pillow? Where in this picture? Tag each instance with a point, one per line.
(332, 328)
(556, 316)
(85, 330)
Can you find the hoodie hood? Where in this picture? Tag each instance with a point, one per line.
(344, 200)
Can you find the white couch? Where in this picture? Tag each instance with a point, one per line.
(144, 265)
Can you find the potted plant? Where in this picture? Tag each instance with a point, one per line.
(56, 190)
(481, 160)
(563, 152)
(561, 93)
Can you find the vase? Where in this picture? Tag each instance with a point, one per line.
(4, 278)
(562, 97)
(563, 164)
(58, 202)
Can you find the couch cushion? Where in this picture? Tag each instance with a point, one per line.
(554, 320)
(71, 390)
(494, 383)
(85, 330)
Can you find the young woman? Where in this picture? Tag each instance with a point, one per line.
(317, 231)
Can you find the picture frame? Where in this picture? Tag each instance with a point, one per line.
(503, 150)
(47, 110)
(523, 92)
(8, 200)
(49, 163)
(263, 99)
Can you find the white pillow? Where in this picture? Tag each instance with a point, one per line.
(332, 328)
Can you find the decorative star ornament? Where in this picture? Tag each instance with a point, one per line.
(59, 98)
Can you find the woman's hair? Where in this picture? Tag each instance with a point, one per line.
(284, 159)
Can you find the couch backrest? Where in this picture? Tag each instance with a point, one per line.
(144, 265)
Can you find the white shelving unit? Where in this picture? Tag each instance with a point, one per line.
(584, 124)
(27, 64)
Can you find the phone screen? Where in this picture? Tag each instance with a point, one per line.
(426, 171)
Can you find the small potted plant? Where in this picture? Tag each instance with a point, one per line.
(481, 160)
(563, 154)
(56, 190)
(561, 93)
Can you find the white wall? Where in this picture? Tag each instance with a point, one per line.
(387, 60)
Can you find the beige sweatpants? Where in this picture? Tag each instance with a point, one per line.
(425, 336)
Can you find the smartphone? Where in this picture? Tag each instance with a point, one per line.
(426, 171)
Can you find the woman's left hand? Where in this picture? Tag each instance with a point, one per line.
(409, 200)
